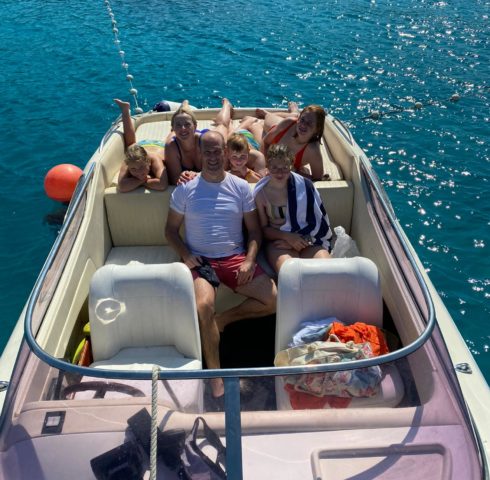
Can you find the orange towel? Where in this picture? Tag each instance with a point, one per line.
(305, 401)
(359, 333)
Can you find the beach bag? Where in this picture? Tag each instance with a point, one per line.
(196, 464)
(360, 382)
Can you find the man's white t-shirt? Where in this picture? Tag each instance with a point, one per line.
(213, 214)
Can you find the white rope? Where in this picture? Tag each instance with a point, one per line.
(154, 422)
(122, 54)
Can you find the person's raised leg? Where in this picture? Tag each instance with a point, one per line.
(293, 108)
(128, 126)
(223, 119)
(271, 120)
(205, 301)
(261, 301)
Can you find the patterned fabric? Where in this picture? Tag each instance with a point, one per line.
(151, 143)
(360, 382)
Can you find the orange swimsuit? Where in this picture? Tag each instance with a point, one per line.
(298, 158)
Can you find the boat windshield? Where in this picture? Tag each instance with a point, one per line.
(392, 404)
(395, 398)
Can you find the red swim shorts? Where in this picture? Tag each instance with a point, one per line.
(226, 268)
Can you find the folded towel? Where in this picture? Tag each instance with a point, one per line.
(305, 214)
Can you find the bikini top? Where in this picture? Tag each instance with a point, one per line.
(200, 132)
(298, 158)
(184, 167)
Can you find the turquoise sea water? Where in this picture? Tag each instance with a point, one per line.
(60, 70)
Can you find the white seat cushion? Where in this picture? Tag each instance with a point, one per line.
(134, 306)
(145, 315)
(346, 288)
(144, 358)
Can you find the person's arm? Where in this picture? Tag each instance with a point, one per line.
(256, 161)
(313, 158)
(174, 222)
(126, 182)
(247, 268)
(159, 181)
(287, 239)
(186, 176)
(254, 177)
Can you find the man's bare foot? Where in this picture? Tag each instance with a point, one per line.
(185, 103)
(260, 113)
(122, 105)
(293, 107)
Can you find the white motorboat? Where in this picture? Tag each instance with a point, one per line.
(111, 268)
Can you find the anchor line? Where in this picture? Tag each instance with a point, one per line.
(133, 92)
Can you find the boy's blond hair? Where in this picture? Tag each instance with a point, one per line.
(136, 154)
(279, 151)
(237, 142)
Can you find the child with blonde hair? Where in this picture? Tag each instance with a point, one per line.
(144, 161)
(240, 155)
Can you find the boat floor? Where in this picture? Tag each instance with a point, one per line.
(250, 343)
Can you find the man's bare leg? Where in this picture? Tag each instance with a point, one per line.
(261, 301)
(205, 300)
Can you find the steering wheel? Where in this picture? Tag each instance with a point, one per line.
(100, 389)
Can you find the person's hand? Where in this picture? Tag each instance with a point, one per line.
(245, 272)
(297, 242)
(192, 260)
(186, 176)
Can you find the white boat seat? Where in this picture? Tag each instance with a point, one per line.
(145, 315)
(149, 255)
(345, 288)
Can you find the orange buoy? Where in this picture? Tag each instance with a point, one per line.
(60, 182)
